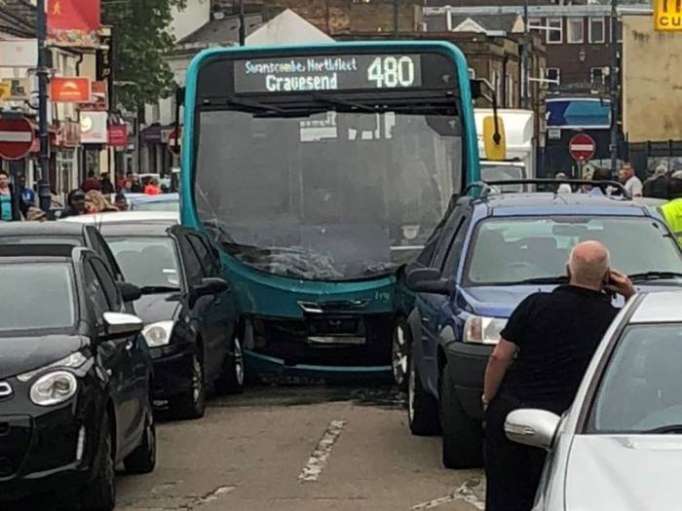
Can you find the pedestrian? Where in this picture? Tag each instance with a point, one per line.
(153, 187)
(136, 186)
(75, 204)
(630, 181)
(10, 209)
(549, 338)
(657, 185)
(121, 202)
(27, 197)
(36, 215)
(672, 211)
(95, 202)
(91, 183)
(563, 187)
(105, 184)
(601, 174)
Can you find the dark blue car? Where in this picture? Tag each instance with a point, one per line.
(487, 255)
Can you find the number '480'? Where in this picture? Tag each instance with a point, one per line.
(391, 72)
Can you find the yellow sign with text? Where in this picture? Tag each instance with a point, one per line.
(668, 15)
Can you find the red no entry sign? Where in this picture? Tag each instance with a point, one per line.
(582, 147)
(16, 138)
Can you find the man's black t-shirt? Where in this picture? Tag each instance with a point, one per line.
(557, 333)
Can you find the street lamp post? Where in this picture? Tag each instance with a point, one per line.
(524, 59)
(613, 87)
(43, 75)
(242, 24)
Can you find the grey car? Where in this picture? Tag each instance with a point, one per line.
(620, 445)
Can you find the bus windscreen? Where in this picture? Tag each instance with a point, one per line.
(326, 167)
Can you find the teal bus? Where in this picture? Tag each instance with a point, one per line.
(319, 171)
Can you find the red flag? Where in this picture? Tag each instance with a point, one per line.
(73, 21)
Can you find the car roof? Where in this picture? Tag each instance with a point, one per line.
(164, 197)
(171, 217)
(659, 307)
(51, 229)
(150, 228)
(512, 204)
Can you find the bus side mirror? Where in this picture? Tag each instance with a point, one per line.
(494, 139)
(476, 88)
(180, 96)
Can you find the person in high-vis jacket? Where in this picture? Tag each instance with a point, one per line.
(672, 211)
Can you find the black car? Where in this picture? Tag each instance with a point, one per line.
(60, 233)
(75, 378)
(187, 309)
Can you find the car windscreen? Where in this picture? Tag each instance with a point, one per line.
(160, 205)
(641, 389)
(147, 261)
(512, 250)
(36, 296)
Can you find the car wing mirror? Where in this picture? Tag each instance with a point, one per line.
(118, 325)
(428, 280)
(211, 286)
(536, 428)
(129, 292)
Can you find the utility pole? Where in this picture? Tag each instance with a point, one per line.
(242, 24)
(525, 96)
(396, 18)
(614, 76)
(44, 194)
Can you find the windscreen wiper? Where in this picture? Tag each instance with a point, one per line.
(150, 290)
(253, 105)
(327, 100)
(655, 275)
(663, 430)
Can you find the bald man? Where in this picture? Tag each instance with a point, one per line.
(550, 338)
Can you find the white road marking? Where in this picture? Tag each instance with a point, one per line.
(318, 459)
(465, 493)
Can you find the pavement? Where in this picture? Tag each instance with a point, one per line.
(300, 448)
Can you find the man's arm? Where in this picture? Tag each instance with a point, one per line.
(498, 363)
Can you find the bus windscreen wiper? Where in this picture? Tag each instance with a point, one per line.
(254, 106)
(663, 430)
(655, 275)
(330, 100)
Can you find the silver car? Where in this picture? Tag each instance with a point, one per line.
(619, 447)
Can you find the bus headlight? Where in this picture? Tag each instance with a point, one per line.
(158, 334)
(483, 330)
(54, 388)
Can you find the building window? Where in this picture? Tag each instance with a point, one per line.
(597, 31)
(553, 74)
(597, 76)
(534, 23)
(555, 34)
(575, 28)
(510, 92)
(472, 73)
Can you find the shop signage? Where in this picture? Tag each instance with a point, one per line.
(94, 127)
(74, 22)
(118, 135)
(75, 89)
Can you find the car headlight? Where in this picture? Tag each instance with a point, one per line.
(483, 330)
(54, 388)
(72, 361)
(158, 334)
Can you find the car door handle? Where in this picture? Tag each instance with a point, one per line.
(130, 345)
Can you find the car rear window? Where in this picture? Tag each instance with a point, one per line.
(36, 296)
(515, 249)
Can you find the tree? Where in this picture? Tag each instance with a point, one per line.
(141, 39)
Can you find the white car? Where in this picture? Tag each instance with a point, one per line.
(124, 216)
(619, 446)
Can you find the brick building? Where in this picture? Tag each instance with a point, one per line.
(577, 37)
(340, 16)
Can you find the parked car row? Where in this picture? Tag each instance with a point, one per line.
(484, 258)
(105, 318)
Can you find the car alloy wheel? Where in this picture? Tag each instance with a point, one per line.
(239, 370)
(197, 381)
(399, 356)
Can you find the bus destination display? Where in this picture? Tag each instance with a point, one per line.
(327, 73)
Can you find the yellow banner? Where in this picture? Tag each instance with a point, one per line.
(668, 15)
